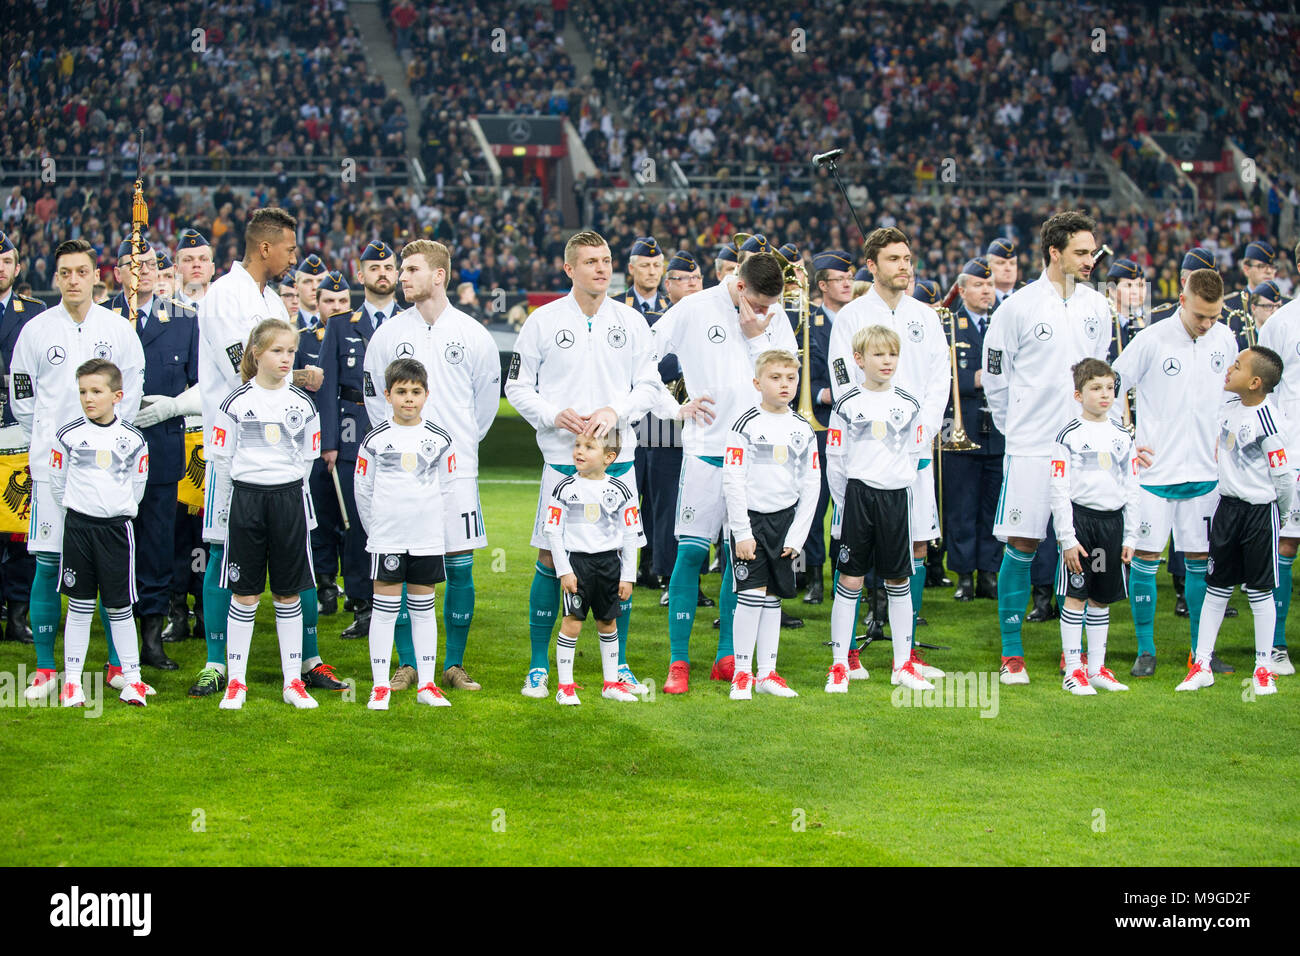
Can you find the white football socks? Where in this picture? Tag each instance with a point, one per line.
(744, 630)
(424, 636)
(239, 638)
(383, 621)
(1097, 621)
(76, 638)
(844, 612)
(769, 637)
(900, 621)
(121, 626)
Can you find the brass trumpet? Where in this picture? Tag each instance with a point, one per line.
(794, 272)
(958, 440)
(1247, 319)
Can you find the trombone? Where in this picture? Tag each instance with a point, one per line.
(794, 273)
(1247, 319)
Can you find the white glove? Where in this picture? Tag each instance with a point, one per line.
(159, 408)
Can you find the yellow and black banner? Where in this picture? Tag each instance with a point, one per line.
(189, 491)
(15, 491)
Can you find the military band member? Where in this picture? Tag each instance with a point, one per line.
(166, 287)
(682, 278)
(464, 370)
(307, 278)
(169, 336)
(194, 267)
(288, 294)
(833, 279)
(344, 423)
(17, 566)
(194, 270)
(972, 479)
(1001, 255)
(645, 264)
(1126, 290)
(726, 261)
(1265, 299)
(1257, 265)
(44, 396)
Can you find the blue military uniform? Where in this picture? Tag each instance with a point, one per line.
(1129, 326)
(169, 336)
(328, 538)
(1237, 301)
(972, 479)
(17, 565)
(651, 468)
(312, 266)
(820, 320)
(341, 404)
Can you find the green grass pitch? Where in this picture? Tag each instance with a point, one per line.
(1143, 778)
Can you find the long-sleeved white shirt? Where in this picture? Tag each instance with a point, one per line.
(1253, 463)
(1282, 334)
(228, 314)
(1179, 383)
(1034, 339)
(924, 367)
(43, 373)
(717, 360)
(562, 360)
(883, 436)
(770, 464)
(464, 371)
(1094, 465)
(592, 516)
(99, 470)
(397, 481)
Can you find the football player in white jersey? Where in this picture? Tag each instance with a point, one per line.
(1037, 335)
(43, 396)
(1281, 333)
(583, 364)
(1177, 367)
(464, 369)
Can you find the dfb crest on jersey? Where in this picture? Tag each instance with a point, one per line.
(232, 572)
(844, 553)
(1243, 434)
(741, 571)
(123, 447)
(103, 351)
(454, 353)
(1076, 580)
(897, 416)
(1118, 445)
(1092, 328)
(797, 440)
(1144, 529)
(1014, 516)
(616, 337)
(428, 448)
(69, 577)
(44, 531)
(915, 331)
(293, 418)
(688, 514)
(391, 562)
(1209, 565)
(1217, 361)
(610, 499)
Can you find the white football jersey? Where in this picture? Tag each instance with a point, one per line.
(464, 369)
(43, 372)
(883, 436)
(1034, 338)
(1179, 383)
(717, 360)
(1253, 463)
(836, 479)
(398, 486)
(228, 314)
(770, 464)
(592, 516)
(924, 366)
(1282, 334)
(269, 436)
(1094, 465)
(563, 360)
(99, 470)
